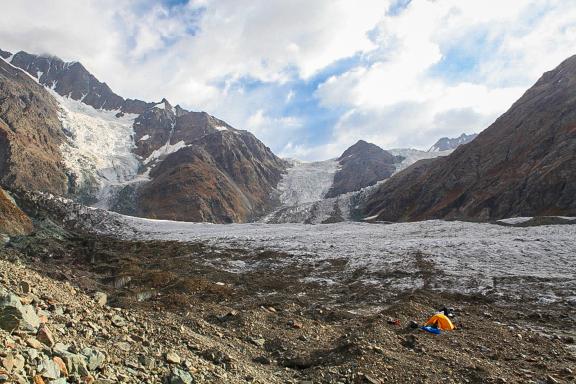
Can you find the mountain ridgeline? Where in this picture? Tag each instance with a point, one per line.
(181, 165)
(447, 143)
(65, 132)
(524, 164)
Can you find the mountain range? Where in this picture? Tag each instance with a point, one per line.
(65, 132)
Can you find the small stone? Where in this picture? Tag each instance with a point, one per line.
(147, 362)
(45, 336)
(61, 365)
(257, 341)
(49, 369)
(172, 358)
(38, 379)
(19, 363)
(34, 343)
(410, 341)
(551, 380)
(60, 348)
(32, 354)
(371, 380)
(59, 381)
(76, 364)
(101, 298)
(118, 321)
(295, 324)
(25, 287)
(262, 360)
(124, 346)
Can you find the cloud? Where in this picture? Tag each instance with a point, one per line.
(404, 98)
(311, 77)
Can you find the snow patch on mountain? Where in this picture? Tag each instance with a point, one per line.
(99, 150)
(412, 155)
(447, 143)
(165, 150)
(307, 182)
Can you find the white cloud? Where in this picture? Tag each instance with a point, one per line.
(396, 100)
(274, 131)
(198, 57)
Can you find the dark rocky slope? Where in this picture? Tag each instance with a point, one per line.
(30, 134)
(361, 165)
(524, 164)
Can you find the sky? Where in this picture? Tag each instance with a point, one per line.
(311, 77)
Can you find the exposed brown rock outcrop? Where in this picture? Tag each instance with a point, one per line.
(524, 164)
(12, 220)
(224, 176)
(361, 165)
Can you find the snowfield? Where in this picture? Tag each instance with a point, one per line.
(307, 182)
(510, 263)
(99, 150)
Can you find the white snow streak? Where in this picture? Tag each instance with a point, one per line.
(165, 150)
(413, 155)
(307, 182)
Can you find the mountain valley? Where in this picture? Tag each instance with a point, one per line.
(144, 243)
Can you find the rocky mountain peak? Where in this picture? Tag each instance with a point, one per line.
(446, 143)
(361, 165)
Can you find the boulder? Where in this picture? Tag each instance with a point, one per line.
(94, 358)
(180, 376)
(14, 315)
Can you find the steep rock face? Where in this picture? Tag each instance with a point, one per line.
(222, 176)
(72, 79)
(12, 220)
(522, 165)
(362, 165)
(30, 134)
(446, 143)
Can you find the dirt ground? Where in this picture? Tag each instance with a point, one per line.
(269, 327)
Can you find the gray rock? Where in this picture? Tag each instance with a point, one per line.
(59, 381)
(172, 358)
(180, 376)
(101, 298)
(118, 321)
(94, 358)
(49, 369)
(14, 315)
(76, 364)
